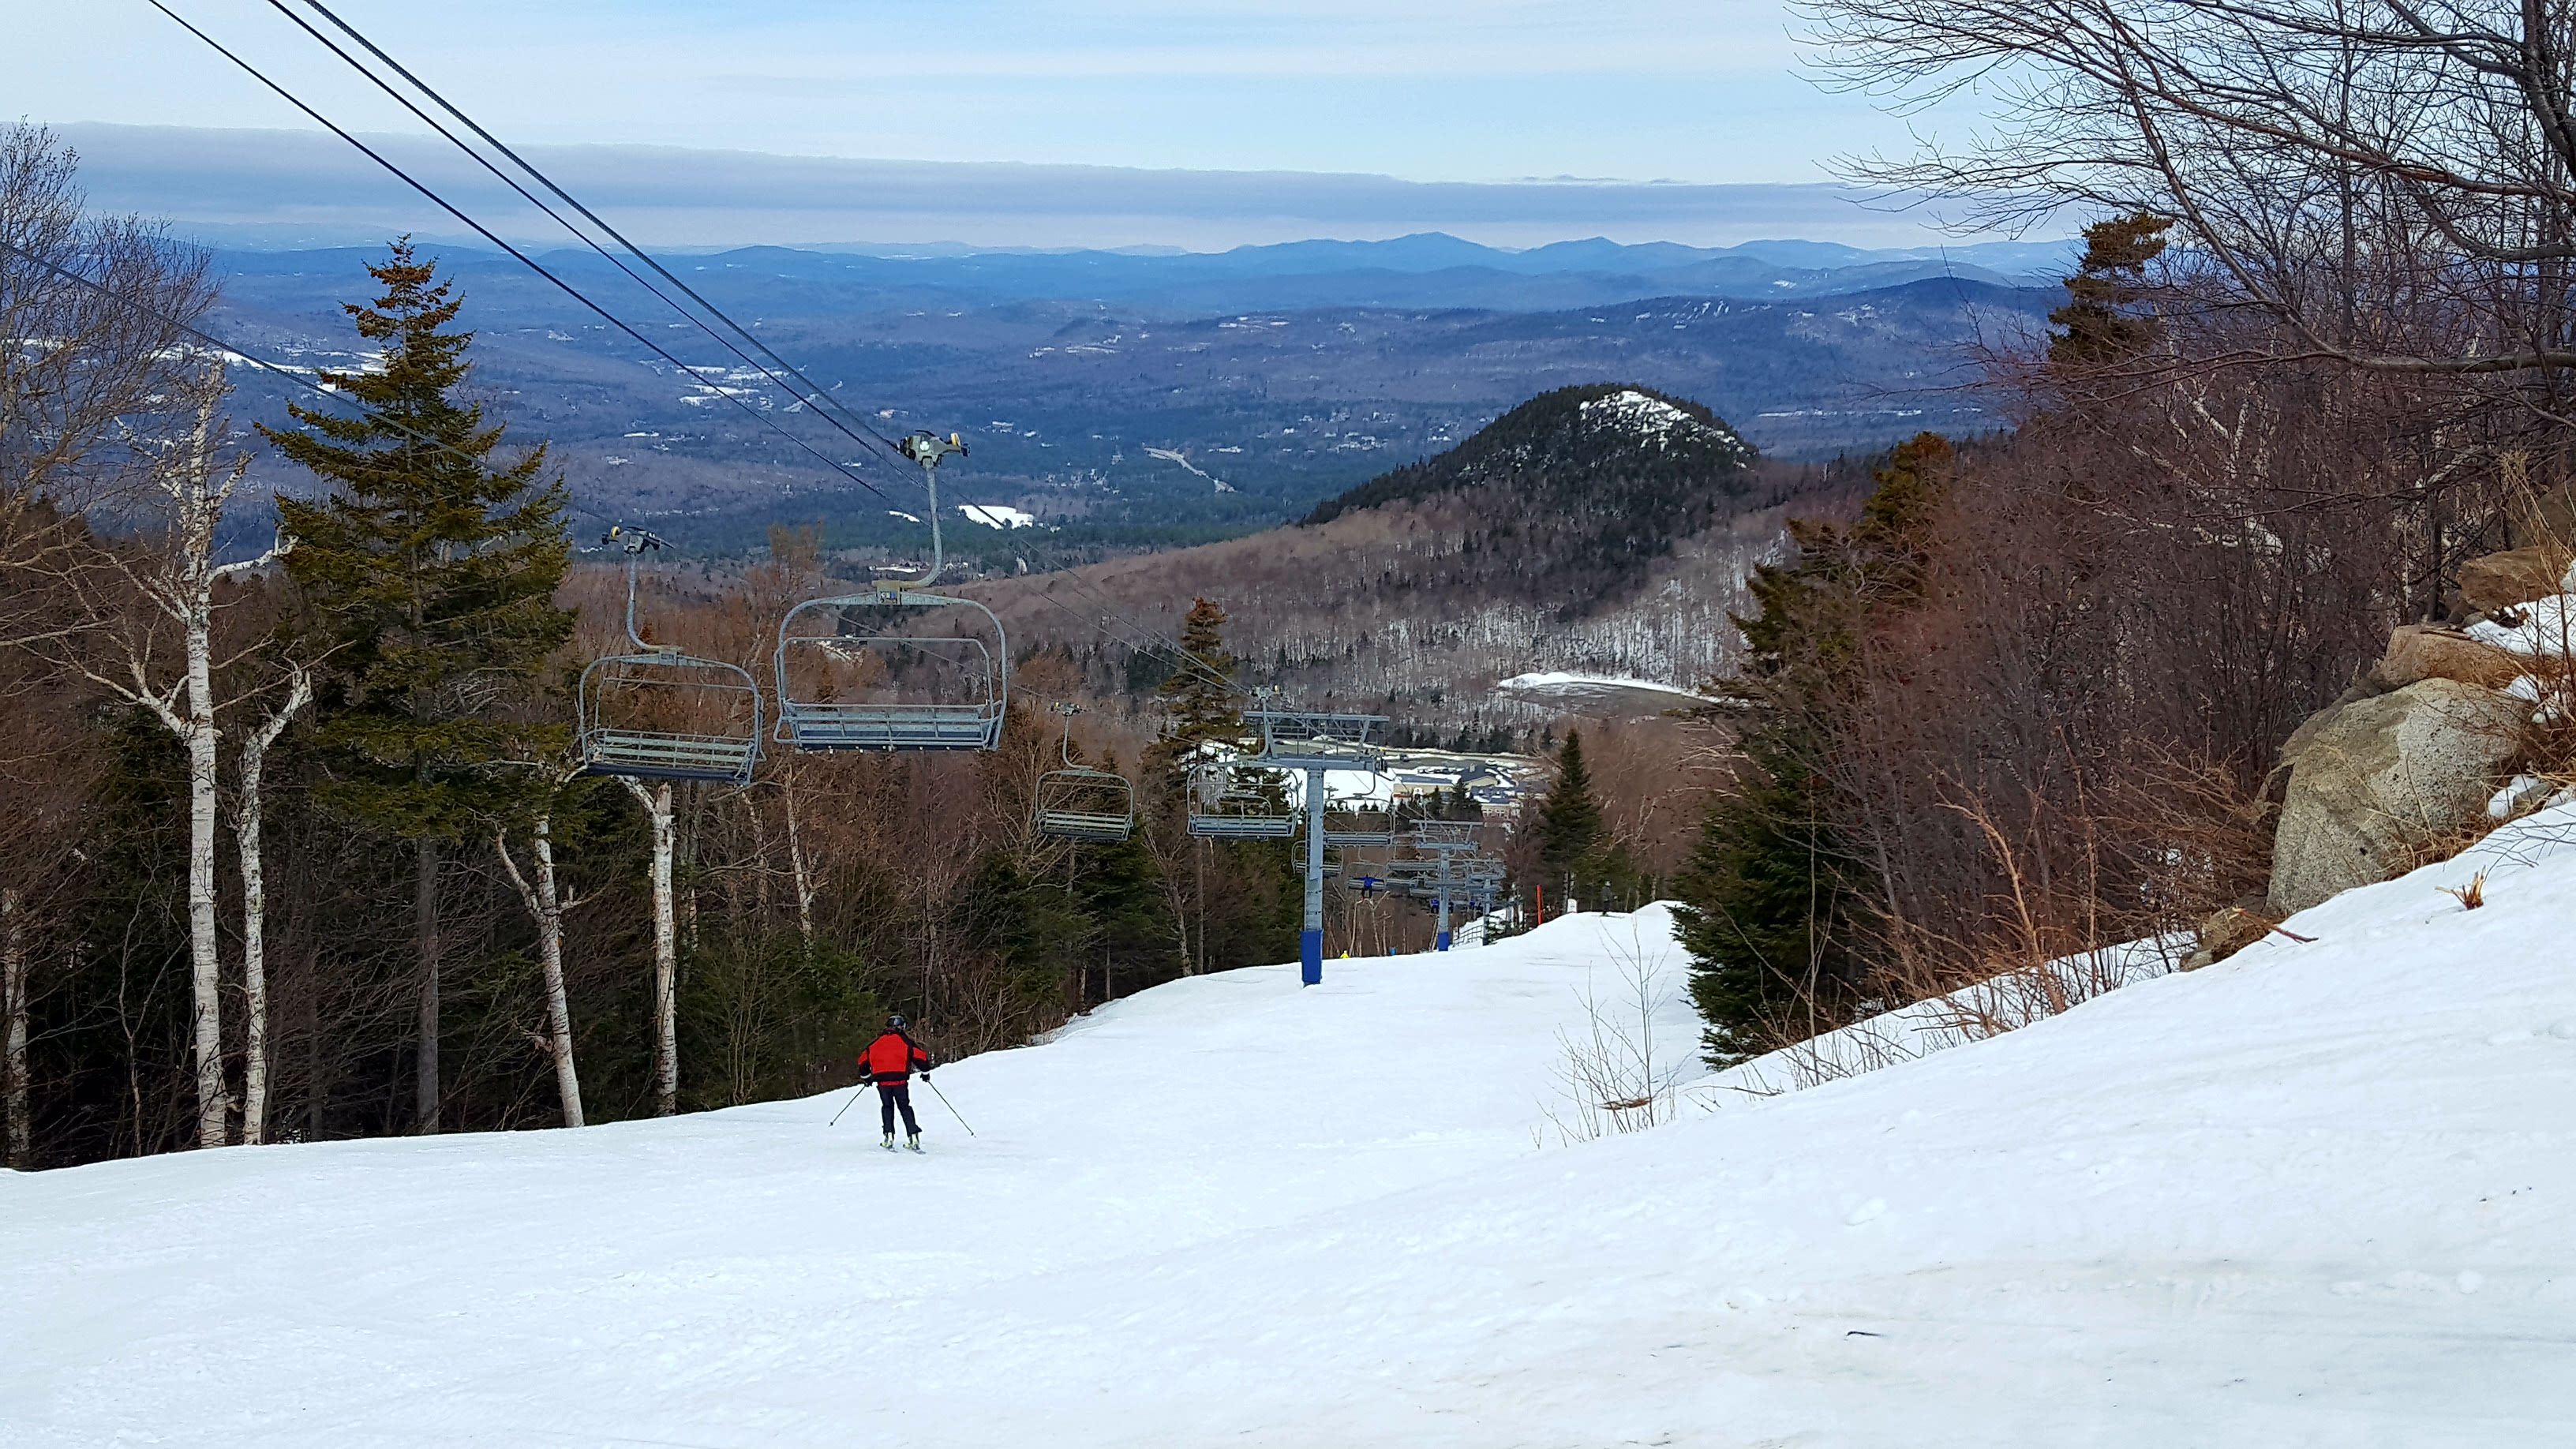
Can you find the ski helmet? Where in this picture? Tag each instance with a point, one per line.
(896, 1023)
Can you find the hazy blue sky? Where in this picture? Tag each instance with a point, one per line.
(1424, 90)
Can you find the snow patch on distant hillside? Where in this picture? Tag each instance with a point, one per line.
(1562, 680)
(997, 515)
(1653, 419)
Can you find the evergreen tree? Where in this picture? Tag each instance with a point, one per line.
(1569, 819)
(1769, 913)
(1199, 700)
(2102, 326)
(432, 567)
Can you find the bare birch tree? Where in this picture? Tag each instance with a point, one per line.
(21, 1115)
(254, 906)
(176, 584)
(540, 892)
(657, 802)
(92, 314)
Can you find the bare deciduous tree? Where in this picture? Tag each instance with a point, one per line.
(176, 581)
(547, 906)
(247, 814)
(2391, 183)
(657, 802)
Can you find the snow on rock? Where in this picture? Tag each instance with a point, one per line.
(2547, 630)
(1650, 418)
(2315, 1194)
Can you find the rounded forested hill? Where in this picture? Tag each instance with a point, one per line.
(1601, 476)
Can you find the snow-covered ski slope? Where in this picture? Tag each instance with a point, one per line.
(2318, 1194)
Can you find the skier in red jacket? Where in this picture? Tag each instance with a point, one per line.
(890, 1061)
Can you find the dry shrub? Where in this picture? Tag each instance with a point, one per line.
(1615, 1072)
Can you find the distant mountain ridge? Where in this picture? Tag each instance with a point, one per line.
(1429, 270)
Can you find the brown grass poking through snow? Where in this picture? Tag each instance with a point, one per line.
(2472, 895)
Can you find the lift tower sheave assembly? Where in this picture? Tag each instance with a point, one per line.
(1315, 743)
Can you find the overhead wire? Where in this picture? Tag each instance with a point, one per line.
(1140, 637)
(522, 257)
(226, 348)
(814, 395)
(1145, 641)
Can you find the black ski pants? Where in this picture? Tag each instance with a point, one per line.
(891, 1095)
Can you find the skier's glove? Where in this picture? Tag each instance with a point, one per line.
(925, 1076)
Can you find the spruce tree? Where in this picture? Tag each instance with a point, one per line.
(431, 565)
(1199, 701)
(1769, 909)
(1569, 818)
(2100, 318)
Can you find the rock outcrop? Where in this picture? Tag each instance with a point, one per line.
(2227, 932)
(2417, 652)
(2376, 781)
(2517, 576)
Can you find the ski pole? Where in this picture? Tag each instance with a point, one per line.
(854, 1101)
(952, 1109)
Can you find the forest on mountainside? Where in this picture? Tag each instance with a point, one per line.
(296, 849)
(298, 853)
(2030, 698)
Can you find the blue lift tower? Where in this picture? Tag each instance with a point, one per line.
(1316, 743)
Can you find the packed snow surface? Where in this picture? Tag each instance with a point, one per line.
(2319, 1193)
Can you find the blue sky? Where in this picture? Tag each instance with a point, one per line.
(1422, 90)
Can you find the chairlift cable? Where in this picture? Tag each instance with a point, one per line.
(226, 348)
(522, 257)
(1154, 643)
(824, 407)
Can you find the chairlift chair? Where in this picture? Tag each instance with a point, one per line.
(655, 713)
(1230, 802)
(1359, 826)
(1079, 803)
(849, 678)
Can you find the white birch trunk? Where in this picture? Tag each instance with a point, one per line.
(13, 1007)
(254, 874)
(666, 957)
(547, 906)
(191, 600)
(796, 864)
(204, 967)
(181, 585)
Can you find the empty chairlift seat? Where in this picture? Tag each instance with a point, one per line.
(656, 713)
(1090, 806)
(1230, 802)
(661, 715)
(892, 669)
(1360, 826)
(1080, 803)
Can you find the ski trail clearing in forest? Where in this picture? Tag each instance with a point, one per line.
(2319, 1193)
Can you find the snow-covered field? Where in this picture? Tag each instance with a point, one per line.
(2317, 1194)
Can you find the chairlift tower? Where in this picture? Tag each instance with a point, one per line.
(1446, 841)
(1315, 742)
